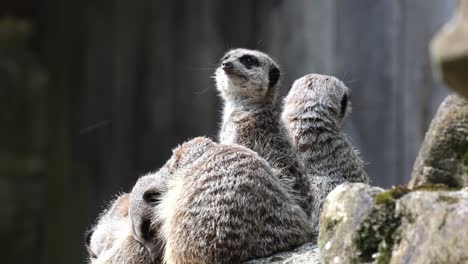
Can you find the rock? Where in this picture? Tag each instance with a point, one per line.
(443, 157)
(364, 224)
(307, 253)
(433, 228)
(449, 51)
(344, 210)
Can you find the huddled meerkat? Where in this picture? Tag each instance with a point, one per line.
(144, 197)
(248, 81)
(313, 113)
(111, 241)
(225, 205)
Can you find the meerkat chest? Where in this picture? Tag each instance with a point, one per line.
(228, 132)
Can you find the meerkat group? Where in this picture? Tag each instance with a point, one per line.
(257, 191)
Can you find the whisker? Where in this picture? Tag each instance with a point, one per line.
(95, 126)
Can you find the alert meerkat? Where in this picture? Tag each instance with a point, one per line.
(248, 81)
(111, 240)
(225, 206)
(313, 113)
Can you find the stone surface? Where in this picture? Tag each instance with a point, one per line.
(449, 51)
(364, 224)
(344, 210)
(307, 253)
(434, 227)
(443, 157)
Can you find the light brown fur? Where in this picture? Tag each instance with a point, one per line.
(226, 206)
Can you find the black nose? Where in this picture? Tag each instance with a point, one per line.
(227, 65)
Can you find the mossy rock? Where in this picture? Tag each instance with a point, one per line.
(443, 158)
(364, 224)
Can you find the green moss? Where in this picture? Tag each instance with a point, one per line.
(464, 166)
(391, 195)
(434, 188)
(330, 224)
(448, 199)
(376, 232)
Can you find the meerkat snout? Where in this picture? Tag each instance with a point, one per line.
(248, 75)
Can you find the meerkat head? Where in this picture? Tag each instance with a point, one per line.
(149, 189)
(188, 152)
(323, 93)
(111, 239)
(247, 75)
(145, 195)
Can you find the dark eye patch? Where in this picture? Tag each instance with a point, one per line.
(273, 76)
(152, 197)
(249, 61)
(344, 104)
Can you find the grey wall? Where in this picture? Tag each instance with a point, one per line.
(129, 80)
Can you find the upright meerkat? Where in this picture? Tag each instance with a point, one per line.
(313, 113)
(248, 81)
(225, 205)
(111, 241)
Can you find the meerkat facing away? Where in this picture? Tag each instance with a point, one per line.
(248, 81)
(226, 206)
(111, 240)
(314, 111)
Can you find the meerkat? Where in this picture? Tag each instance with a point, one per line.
(225, 205)
(313, 113)
(144, 196)
(111, 241)
(248, 83)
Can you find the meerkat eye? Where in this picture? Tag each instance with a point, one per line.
(225, 57)
(249, 61)
(152, 197)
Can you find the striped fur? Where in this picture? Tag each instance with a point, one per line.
(313, 113)
(226, 206)
(251, 119)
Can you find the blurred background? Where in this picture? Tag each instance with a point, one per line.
(93, 94)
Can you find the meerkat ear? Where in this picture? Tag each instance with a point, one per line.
(274, 76)
(344, 105)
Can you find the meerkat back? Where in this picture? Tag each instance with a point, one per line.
(313, 113)
(228, 207)
(248, 81)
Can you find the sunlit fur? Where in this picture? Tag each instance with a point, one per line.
(141, 211)
(313, 113)
(224, 205)
(112, 242)
(251, 119)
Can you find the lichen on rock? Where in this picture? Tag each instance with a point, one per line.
(443, 158)
(433, 228)
(364, 224)
(344, 210)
